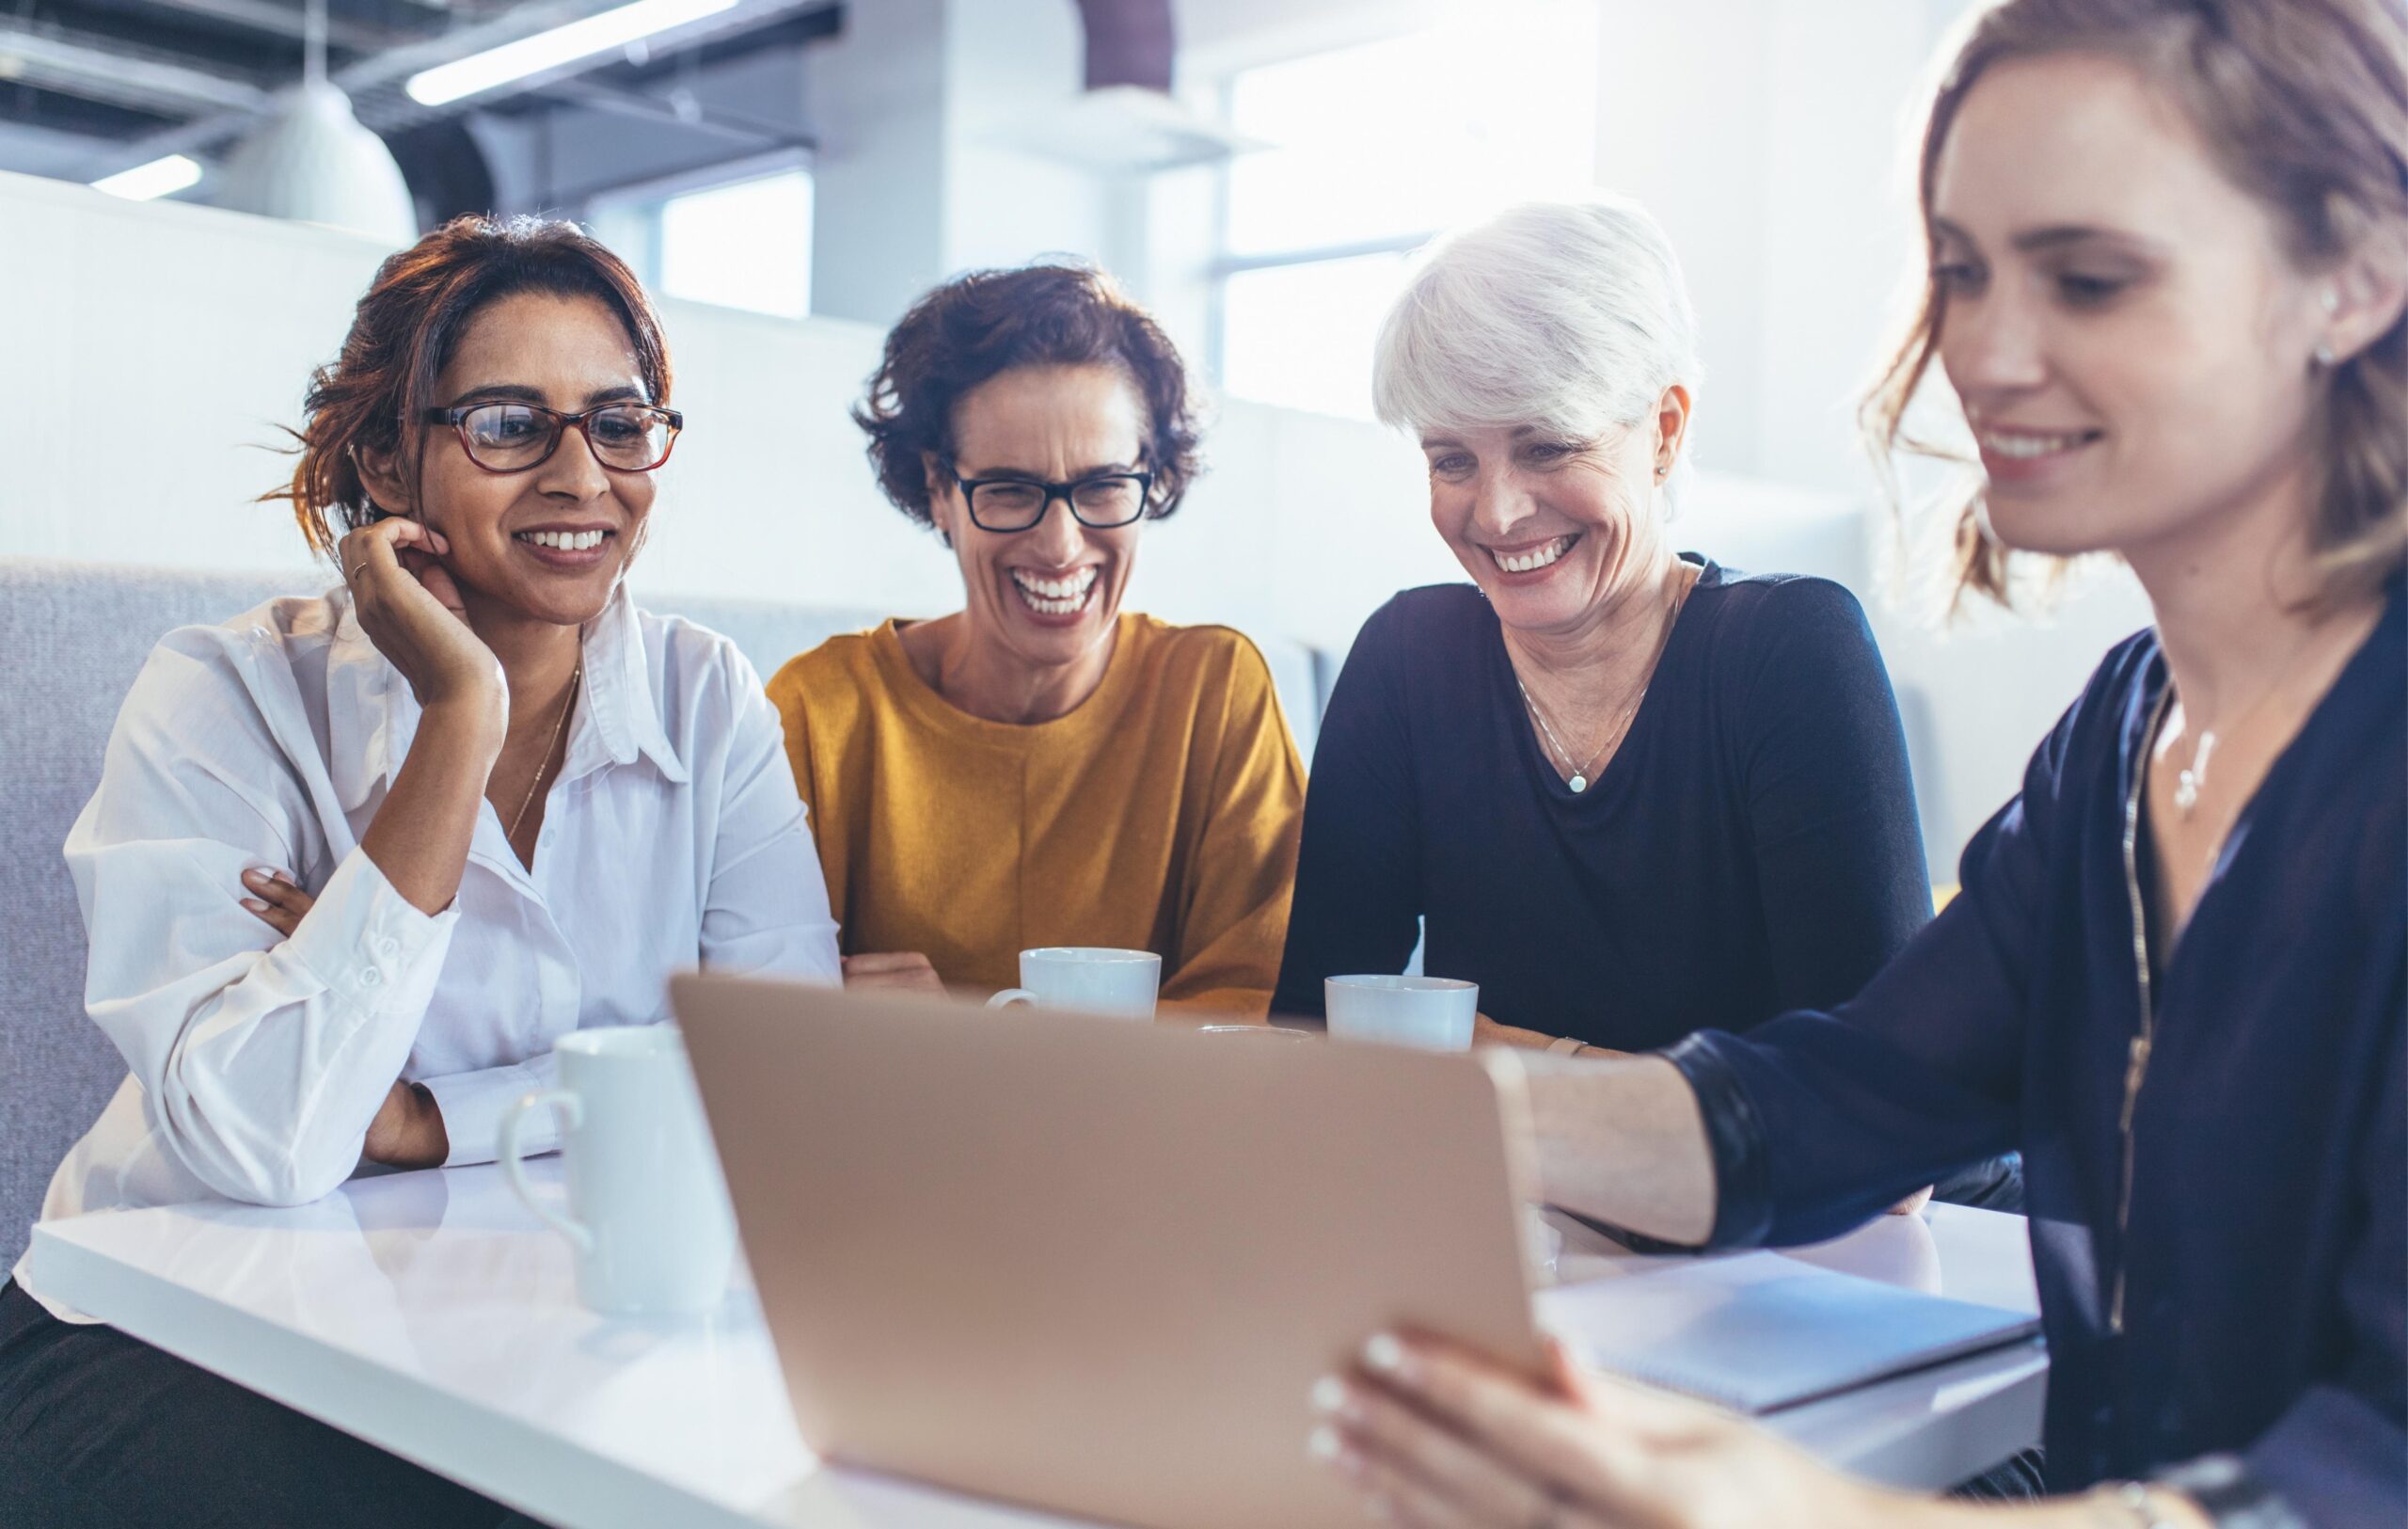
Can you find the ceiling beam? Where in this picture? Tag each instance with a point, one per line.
(287, 22)
(73, 66)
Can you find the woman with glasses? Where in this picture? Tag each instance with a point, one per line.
(356, 860)
(1042, 767)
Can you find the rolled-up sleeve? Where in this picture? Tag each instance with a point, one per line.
(261, 1059)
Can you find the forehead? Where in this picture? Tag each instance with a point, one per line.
(1094, 410)
(2080, 139)
(568, 346)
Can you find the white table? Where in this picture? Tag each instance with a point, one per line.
(431, 1315)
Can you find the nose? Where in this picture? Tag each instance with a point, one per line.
(1057, 537)
(572, 471)
(1500, 502)
(1990, 345)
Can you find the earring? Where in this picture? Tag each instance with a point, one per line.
(2324, 355)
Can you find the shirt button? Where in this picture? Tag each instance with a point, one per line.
(370, 976)
(389, 947)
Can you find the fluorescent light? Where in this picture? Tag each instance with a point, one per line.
(549, 50)
(159, 178)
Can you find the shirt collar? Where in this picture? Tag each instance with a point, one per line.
(373, 716)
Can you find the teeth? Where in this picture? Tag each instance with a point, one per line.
(1054, 596)
(567, 541)
(1536, 558)
(2024, 447)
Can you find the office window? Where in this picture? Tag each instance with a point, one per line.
(740, 242)
(1378, 147)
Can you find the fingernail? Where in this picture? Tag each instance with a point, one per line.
(1330, 1395)
(1384, 1355)
(255, 905)
(255, 875)
(1324, 1445)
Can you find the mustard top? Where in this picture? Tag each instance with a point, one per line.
(1162, 814)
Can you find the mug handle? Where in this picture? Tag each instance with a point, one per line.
(1010, 996)
(511, 1154)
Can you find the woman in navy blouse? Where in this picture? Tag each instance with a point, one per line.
(2168, 252)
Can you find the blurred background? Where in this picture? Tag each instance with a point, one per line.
(193, 193)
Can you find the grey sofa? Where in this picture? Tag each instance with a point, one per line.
(73, 636)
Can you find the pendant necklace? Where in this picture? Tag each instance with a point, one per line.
(1579, 781)
(544, 768)
(2192, 778)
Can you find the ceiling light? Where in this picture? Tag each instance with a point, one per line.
(159, 178)
(560, 45)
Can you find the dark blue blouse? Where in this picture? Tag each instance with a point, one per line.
(2264, 1264)
(1750, 848)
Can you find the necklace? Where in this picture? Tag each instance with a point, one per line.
(1579, 781)
(2192, 778)
(544, 768)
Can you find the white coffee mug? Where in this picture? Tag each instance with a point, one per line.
(1093, 978)
(1432, 1012)
(647, 1209)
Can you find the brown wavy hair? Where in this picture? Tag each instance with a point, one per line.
(376, 394)
(2303, 104)
(979, 325)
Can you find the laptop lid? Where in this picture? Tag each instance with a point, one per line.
(1094, 1265)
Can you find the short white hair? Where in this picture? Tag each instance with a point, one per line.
(1566, 316)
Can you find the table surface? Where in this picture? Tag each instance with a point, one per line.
(431, 1315)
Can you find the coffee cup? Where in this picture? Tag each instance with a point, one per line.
(1091, 978)
(1434, 1014)
(647, 1210)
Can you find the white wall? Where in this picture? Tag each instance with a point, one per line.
(151, 347)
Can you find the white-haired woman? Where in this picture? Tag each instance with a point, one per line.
(1629, 792)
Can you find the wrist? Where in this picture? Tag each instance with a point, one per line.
(473, 725)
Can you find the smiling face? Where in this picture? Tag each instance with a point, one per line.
(551, 543)
(2130, 343)
(1046, 597)
(1555, 532)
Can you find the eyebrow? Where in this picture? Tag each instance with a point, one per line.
(1104, 470)
(516, 393)
(2054, 236)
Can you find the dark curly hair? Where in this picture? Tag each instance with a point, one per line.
(376, 394)
(979, 325)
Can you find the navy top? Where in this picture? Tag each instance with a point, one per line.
(1752, 847)
(2265, 1268)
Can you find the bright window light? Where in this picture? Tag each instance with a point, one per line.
(743, 246)
(1380, 146)
(549, 50)
(159, 178)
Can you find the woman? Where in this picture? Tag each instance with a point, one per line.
(1631, 793)
(2168, 253)
(483, 799)
(1040, 767)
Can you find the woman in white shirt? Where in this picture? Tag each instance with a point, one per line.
(356, 861)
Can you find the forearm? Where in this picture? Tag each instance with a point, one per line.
(421, 836)
(1622, 1142)
(2102, 1507)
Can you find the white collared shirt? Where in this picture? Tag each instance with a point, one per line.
(672, 837)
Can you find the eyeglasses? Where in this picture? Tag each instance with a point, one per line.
(514, 438)
(1103, 502)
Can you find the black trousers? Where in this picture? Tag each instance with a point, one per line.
(100, 1429)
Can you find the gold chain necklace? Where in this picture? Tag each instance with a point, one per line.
(544, 766)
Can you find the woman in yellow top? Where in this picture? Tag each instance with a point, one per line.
(1040, 767)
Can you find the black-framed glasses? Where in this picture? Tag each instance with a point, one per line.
(1103, 502)
(514, 438)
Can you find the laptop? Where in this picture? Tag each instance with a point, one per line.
(1095, 1267)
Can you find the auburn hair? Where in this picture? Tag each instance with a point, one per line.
(2304, 105)
(376, 394)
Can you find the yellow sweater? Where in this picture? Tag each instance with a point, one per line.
(1162, 814)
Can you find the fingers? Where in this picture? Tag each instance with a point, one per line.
(906, 969)
(1423, 1472)
(376, 547)
(1913, 1203)
(276, 900)
(1592, 1447)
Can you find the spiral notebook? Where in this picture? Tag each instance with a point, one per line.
(1758, 1332)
